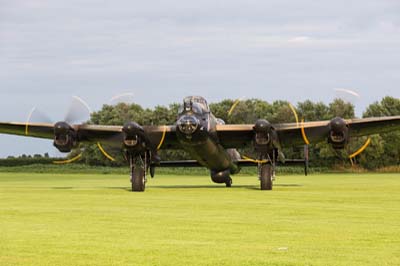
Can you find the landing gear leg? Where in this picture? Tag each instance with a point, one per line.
(138, 173)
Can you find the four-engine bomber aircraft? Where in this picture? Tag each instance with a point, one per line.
(209, 141)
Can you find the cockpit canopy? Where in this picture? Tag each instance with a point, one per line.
(195, 104)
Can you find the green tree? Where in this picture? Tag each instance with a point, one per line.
(341, 109)
(310, 111)
(385, 148)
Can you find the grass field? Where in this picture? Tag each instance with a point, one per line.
(332, 219)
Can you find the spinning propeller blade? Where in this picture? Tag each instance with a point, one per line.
(347, 95)
(78, 111)
(127, 98)
(351, 96)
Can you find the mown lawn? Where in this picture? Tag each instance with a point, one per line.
(331, 219)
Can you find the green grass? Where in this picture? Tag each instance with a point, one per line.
(331, 219)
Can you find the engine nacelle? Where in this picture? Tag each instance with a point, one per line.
(64, 137)
(338, 133)
(264, 136)
(221, 177)
(134, 137)
(262, 130)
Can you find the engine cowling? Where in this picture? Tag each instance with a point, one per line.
(134, 137)
(338, 133)
(265, 137)
(64, 137)
(262, 130)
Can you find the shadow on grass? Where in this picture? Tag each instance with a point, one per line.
(251, 187)
(120, 188)
(90, 188)
(278, 185)
(167, 187)
(211, 186)
(196, 186)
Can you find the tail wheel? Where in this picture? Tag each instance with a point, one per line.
(138, 179)
(266, 177)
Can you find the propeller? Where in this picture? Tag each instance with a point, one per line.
(339, 129)
(263, 129)
(126, 98)
(266, 140)
(78, 111)
(65, 138)
(231, 112)
(131, 130)
(306, 149)
(347, 95)
(236, 102)
(338, 136)
(351, 96)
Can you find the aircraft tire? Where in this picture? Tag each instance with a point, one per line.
(229, 183)
(138, 180)
(266, 177)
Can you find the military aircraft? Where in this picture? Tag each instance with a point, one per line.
(210, 142)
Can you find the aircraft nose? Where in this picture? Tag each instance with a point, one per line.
(188, 124)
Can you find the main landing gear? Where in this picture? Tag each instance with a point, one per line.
(137, 172)
(266, 171)
(266, 177)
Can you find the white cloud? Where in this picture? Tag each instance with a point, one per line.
(300, 39)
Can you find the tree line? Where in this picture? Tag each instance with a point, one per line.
(383, 151)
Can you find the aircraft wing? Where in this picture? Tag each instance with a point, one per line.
(315, 132)
(230, 136)
(162, 137)
(295, 134)
(45, 131)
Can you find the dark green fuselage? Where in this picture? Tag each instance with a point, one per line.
(203, 144)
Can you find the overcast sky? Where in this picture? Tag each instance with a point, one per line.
(165, 50)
